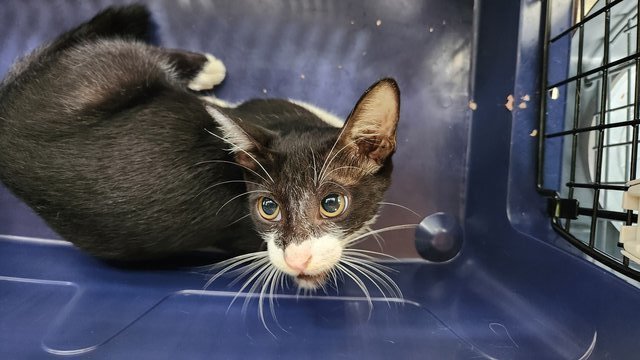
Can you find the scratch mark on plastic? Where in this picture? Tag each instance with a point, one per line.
(591, 347)
(495, 325)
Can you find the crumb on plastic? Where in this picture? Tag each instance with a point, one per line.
(339, 66)
(534, 133)
(302, 76)
(522, 105)
(473, 105)
(264, 91)
(431, 29)
(554, 93)
(352, 22)
(378, 22)
(509, 103)
(526, 97)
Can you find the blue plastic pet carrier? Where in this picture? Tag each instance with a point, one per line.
(517, 148)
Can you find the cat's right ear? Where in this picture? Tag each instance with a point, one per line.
(369, 134)
(247, 141)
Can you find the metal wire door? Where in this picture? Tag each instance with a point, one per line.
(590, 114)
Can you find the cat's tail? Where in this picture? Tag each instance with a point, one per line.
(131, 22)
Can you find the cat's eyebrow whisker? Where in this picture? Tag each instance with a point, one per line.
(351, 241)
(332, 148)
(244, 151)
(229, 182)
(315, 171)
(326, 164)
(324, 176)
(369, 135)
(400, 206)
(336, 184)
(233, 163)
(237, 196)
(238, 220)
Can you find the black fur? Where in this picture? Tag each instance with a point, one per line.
(111, 151)
(101, 136)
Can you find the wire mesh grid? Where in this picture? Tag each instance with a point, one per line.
(590, 117)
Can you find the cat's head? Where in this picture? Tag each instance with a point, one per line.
(314, 192)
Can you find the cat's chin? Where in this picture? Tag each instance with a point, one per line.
(311, 282)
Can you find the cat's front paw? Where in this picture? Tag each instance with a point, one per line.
(212, 73)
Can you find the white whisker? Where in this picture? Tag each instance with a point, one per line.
(227, 182)
(324, 176)
(232, 163)
(376, 272)
(324, 169)
(263, 291)
(379, 240)
(352, 241)
(366, 275)
(364, 251)
(331, 279)
(252, 290)
(298, 291)
(400, 206)
(244, 151)
(238, 220)
(371, 263)
(246, 270)
(283, 279)
(359, 283)
(274, 280)
(315, 171)
(359, 255)
(232, 263)
(332, 148)
(336, 184)
(247, 283)
(238, 196)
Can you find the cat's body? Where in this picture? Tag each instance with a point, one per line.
(105, 138)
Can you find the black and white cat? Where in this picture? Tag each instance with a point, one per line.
(106, 138)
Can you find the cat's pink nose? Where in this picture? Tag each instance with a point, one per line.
(298, 256)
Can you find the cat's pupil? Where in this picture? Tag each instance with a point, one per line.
(331, 203)
(269, 206)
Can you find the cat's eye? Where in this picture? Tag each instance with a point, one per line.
(333, 205)
(268, 209)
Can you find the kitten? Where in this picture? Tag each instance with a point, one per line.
(107, 139)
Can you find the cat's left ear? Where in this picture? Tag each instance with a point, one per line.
(247, 141)
(370, 129)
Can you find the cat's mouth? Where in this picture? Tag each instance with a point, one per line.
(311, 281)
